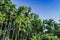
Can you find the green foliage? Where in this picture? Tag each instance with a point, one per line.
(21, 24)
(1, 32)
(45, 37)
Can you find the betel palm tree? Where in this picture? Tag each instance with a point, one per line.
(57, 29)
(2, 19)
(21, 16)
(37, 24)
(49, 25)
(8, 11)
(19, 20)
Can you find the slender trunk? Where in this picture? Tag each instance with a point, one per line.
(13, 34)
(9, 26)
(17, 35)
(5, 30)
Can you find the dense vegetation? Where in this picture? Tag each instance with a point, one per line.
(21, 24)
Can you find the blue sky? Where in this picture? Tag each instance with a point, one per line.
(46, 9)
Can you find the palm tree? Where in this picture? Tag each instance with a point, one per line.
(49, 24)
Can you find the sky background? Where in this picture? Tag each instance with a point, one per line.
(46, 9)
